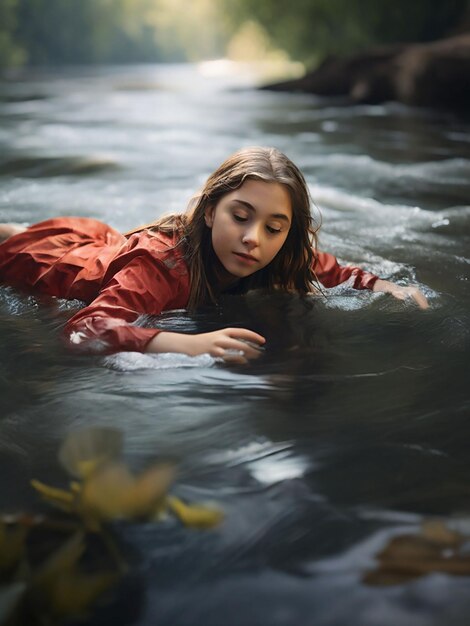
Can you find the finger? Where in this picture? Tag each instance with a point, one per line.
(413, 293)
(246, 335)
(251, 352)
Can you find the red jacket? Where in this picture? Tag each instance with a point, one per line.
(120, 278)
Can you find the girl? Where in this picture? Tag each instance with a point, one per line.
(250, 227)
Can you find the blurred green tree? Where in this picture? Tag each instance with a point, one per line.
(309, 29)
(59, 32)
(89, 31)
(55, 32)
(10, 52)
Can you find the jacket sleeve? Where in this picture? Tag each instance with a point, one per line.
(142, 286)
(330, 273)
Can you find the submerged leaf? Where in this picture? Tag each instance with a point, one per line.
(108, 491)
(63, 588)
(113, 493)
(62, 560)
(195, 515)
(74, 592)
(61, 498)
(85, 451)
(150, 489)
(436, 549)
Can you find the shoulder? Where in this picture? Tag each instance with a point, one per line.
(165, 250)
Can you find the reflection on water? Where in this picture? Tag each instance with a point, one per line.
(349, 431)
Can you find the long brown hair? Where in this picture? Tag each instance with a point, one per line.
(291, 268)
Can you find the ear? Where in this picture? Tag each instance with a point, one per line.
(209, 216)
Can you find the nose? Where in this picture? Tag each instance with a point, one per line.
(251, 235)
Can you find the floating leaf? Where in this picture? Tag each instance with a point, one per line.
(437, 532)
(195, 515)
(435, 549)
(84, 451)
(108, 491)
(113, 493)
(64, 500)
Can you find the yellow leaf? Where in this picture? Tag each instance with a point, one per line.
(102, 494)
(149, 491)
(437, 532)
(113, 493)
(59, 497)
(84, 469)
(75, 487)
(195, 515)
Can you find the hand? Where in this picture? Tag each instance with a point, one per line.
(233, 345)
(402, 293)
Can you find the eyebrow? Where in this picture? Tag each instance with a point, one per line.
(280, 216)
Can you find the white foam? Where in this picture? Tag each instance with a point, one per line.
(453, 170)
(250, 452)
(131, 361)
(278, 468)
(346, 201)
(267, 462)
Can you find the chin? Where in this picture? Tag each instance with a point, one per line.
(237, 273)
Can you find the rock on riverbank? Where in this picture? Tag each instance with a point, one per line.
(435, 74)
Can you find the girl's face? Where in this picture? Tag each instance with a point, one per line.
(249, 226)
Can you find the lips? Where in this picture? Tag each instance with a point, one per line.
(246, 257)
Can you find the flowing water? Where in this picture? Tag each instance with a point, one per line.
(353, 427)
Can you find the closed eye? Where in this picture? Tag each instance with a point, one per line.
(273, 230)
(239, 218)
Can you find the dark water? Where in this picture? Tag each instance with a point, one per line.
(352, 429)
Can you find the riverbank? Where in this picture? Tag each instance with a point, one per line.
(435, 75)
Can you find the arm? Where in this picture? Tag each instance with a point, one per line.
(145, 286)
(330, 273)
(401, 293)
(235, 345)
(142, 286)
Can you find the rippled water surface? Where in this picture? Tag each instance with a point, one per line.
(354, 426)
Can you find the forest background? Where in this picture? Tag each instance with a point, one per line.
(69, 32)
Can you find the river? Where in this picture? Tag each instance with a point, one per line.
(353, 428)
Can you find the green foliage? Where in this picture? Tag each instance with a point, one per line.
(10, 53)
(89, 31)
(60, 32)
(57, 32)
(318, 27)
